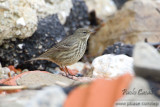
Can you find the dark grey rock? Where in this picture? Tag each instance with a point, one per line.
(155, 86)
(79, 17)
(119, 48)
(119, 3)
(146, 61)
(126, 49)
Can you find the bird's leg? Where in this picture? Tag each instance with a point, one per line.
(69, 74)
(66, 69)
(61, 67)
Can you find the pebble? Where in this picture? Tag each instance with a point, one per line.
(48, 97)
(79, 66)
(20, 46)
(20, 22)
(6, 70)
(110, 66)
(119, 48)
(25, 70)
(53, 70)
(12, 73)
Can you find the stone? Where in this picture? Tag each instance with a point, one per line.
(20, 22)
(49, 7)
(111, 66)
(140, 93)
(52, 96)
(4, 72)
(119, 48)
(79, 69)
(102, 8)
(74, 20)
(48, 97)
(18, 19)
(12, 73)
(146, 61)
(77, 66)
(136, 21)
(19, 99)
(120, 3)
(84, 69)
(30, 79)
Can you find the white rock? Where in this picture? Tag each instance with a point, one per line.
(103, 8)
(4, 5)
(110, 66)
(17, 19)
(20, 46)
(6, 70)
(49, 96)
(5, 76)
(12, 73)
(20, 22)
(77, 66)
(48, 7)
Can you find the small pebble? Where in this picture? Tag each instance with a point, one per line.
(6, 70)
(79, 75)
(6, 46)
(52, 70)
(20, 46)
(12, 73)
(5, 76)
(25, 70)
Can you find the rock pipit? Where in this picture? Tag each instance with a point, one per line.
(68, 51)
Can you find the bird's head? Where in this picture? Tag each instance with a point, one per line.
(83, 33)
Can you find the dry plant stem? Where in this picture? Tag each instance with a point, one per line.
(5, 88)
(62, 84)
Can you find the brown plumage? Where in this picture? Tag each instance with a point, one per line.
(68, 51)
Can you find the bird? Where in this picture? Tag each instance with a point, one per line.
(68, 51)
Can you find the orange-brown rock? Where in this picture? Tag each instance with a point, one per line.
(138, 20)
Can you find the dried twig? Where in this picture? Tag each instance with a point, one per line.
(3, 88)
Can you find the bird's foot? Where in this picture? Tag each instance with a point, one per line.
(67, 75)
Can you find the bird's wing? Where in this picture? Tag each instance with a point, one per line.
(65, 45)
(59, 47)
